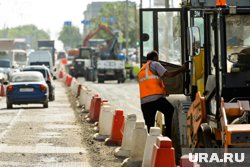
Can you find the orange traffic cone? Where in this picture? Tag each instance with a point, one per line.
(163, 153)
(117, 129)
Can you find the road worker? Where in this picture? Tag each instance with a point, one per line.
(153, 92)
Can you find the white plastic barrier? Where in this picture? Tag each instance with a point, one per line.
(89, 95)
(64, 76)
(139, 141)
(72, 85)
(151, 139)
(82, 97)
(105, 123)
(126, 147)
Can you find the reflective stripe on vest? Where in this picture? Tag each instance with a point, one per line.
(150, 84)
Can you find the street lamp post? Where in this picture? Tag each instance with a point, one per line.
(126, 28)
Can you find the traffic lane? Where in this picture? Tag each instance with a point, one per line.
(121, 96)
(33, 136)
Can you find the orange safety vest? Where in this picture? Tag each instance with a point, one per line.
(149, 83)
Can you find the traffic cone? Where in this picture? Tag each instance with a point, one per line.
(151, 139)
(163, 153)
(125, 149)
(117, 129)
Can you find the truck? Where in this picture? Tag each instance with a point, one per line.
(10, 44)
(48, 45)
(211, 100)
(108, 65)
(10, 51)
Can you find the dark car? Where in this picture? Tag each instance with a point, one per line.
(77, 67)
(47, 76)
(61, 55)
(25, 88)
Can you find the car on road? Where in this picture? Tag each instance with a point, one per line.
(41, 57)
(27, 87)
(47, 76)
(6, 67)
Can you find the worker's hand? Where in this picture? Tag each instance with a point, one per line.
(184, 67)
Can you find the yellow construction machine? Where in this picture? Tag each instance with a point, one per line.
(212, 99)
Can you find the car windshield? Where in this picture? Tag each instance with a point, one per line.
(27, 77)
(85, 54)
(4, 64)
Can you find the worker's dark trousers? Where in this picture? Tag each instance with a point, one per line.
(149, 111)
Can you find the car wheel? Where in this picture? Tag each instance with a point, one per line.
(9, 106)
(45, 104)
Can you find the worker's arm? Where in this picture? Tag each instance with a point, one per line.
(169, 74)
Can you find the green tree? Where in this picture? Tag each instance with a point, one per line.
(30, 32)
(113, 15)
(70, 36)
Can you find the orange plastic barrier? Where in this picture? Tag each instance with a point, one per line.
(184, 162)
(60, 74)
(64, 61)
(92, 107)
(2, 92)
(78, 89)
(94, 112)
(117, 129)
(163, 153)
(68, 80)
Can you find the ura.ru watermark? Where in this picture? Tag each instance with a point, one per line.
(217, 158)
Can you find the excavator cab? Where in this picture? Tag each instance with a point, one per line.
(160, 30)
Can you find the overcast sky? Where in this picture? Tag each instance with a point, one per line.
(48, 15)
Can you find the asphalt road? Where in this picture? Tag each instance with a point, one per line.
(121, 96)
(33, 136)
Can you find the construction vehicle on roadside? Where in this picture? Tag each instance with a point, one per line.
(211, 100)
(84, 64)
(108, 65)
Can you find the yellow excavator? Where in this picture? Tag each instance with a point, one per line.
(211, 100)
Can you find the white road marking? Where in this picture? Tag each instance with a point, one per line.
(11, 124)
